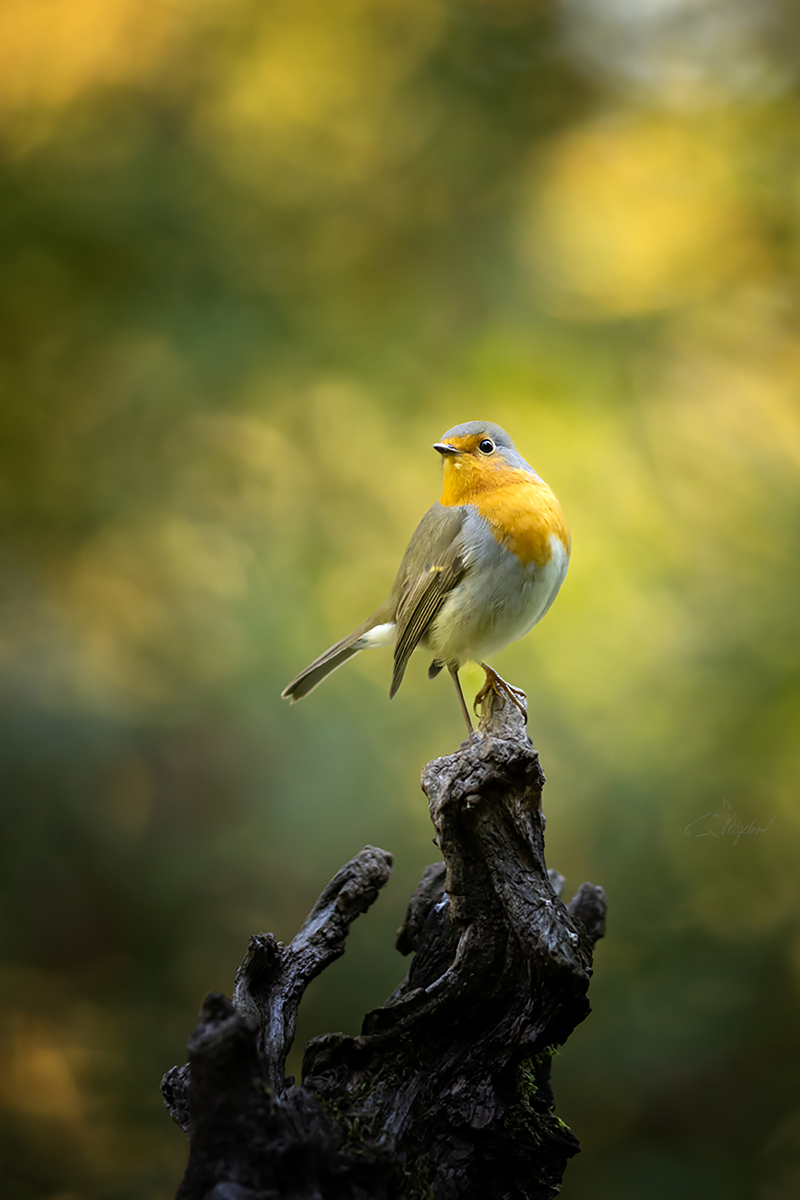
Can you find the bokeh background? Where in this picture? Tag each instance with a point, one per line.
(257, 257)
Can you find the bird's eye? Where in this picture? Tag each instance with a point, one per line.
(486, 446)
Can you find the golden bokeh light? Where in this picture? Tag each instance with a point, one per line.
(634, 215)
(257, 259)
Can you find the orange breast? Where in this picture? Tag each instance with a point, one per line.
(522, 510)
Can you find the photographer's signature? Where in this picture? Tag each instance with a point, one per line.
(722, 824)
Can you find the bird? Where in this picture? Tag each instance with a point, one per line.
(481, 569)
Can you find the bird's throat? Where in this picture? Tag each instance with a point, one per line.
(521, 510)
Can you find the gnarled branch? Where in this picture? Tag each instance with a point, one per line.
(446, 1090)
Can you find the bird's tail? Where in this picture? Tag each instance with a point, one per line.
(331, 660)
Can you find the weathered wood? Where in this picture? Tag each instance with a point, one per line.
(446, 1091)
(270, 982)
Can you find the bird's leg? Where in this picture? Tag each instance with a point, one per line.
(454, 672)
(494, 683)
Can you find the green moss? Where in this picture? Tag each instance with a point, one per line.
(533, 1110)
(361, 1135)
(527, 1085)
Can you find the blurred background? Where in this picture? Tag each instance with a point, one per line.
(257, 258)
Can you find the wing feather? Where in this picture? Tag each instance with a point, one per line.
(425, 580)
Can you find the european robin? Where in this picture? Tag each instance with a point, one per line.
(482, 567)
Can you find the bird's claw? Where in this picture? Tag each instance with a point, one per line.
(495, 683)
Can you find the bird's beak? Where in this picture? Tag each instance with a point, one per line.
(445, 448)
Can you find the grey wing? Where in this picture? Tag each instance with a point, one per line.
(432, 566)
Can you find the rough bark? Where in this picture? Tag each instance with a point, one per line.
(446, 1091)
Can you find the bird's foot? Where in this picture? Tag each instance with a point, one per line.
(495, 683)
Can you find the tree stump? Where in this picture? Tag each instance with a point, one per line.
(446, 1092)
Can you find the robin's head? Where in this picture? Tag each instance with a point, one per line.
(477, 456)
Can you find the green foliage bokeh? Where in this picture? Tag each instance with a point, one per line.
(257, 258)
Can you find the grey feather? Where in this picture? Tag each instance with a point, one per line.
(425, 580)
(333, 658)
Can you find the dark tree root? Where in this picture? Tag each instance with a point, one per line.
(446, 1091)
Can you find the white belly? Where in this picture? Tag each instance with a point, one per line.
(495, 603)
